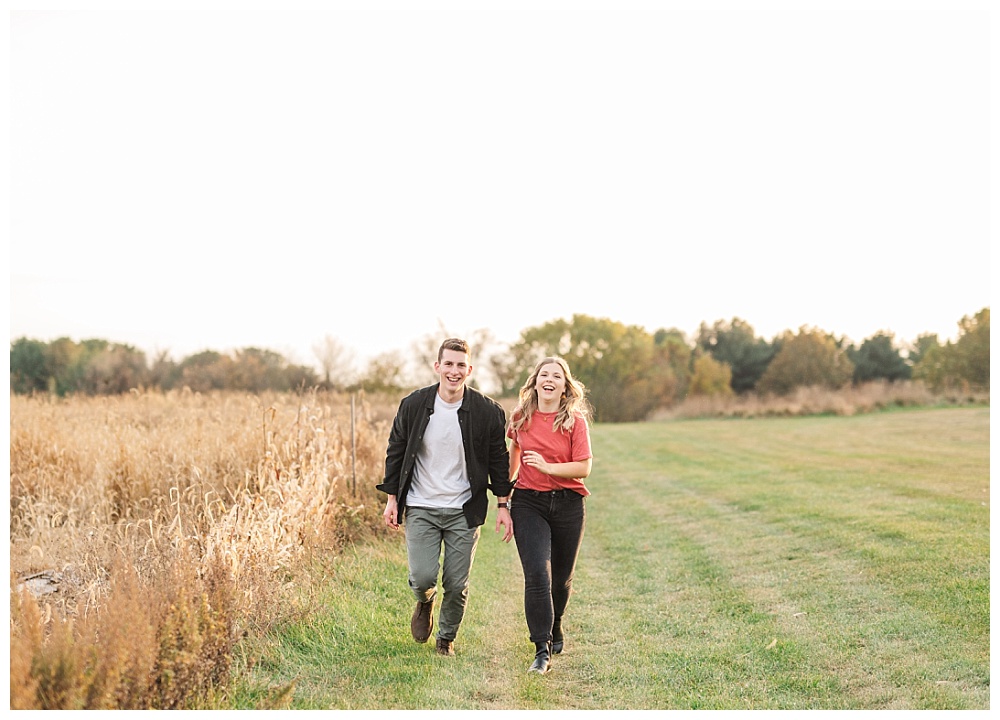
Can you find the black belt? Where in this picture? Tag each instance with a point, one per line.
(543, 493)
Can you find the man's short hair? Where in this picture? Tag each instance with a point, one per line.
(454, 344)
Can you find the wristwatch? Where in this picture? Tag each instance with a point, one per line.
(505, 505)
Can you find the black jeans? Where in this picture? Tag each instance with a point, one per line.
(548, 531)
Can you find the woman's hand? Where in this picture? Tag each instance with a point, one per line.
(578, 469)
(533, 459)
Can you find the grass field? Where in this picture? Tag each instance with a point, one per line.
(822, 563)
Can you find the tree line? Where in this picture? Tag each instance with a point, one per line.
(629, 371)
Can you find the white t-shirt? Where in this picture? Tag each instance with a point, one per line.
(440, 477)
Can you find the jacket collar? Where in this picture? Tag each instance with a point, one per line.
(429, 401)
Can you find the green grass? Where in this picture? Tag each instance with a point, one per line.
(822, 563)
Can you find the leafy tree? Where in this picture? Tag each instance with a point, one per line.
(385, 373)
(617, 363)
(735, 344)
(299, 377)
(879, 359)
(204, 371)
(114, 370)
(966, 362)
(164, 373)
(937, 367)
(673, 355)
(711, 377)
(205, 358)
(65, 361)
(973, 348)
(254, 370)
(64, 366)
(99, 367)
(923, 344)
(808, 358)
(68, 363)
(28, 366)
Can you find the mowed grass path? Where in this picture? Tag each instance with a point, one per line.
(828, 563)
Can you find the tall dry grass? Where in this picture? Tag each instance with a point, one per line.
(149, 532)
(851, 400)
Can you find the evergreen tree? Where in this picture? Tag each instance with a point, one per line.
(879, 359)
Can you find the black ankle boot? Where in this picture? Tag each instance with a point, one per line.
(557, 638)
(543, 656)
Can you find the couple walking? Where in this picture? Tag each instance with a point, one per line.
(447, 447)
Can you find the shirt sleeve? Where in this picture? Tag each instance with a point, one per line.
(580, 440)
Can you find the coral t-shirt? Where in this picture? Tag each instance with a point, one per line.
(554, 447)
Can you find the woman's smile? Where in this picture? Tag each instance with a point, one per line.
(550, 386)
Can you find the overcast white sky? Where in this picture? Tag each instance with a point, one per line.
(189, 176)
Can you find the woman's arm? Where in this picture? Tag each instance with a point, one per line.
(578, 469)
(515, 460)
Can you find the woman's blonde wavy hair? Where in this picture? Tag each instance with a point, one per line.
(572, 404)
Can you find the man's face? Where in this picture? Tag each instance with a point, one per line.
(454, 369)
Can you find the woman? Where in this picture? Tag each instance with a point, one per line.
(549, 457)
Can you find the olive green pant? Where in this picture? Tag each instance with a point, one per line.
(428, 531)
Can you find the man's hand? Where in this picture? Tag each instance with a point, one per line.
(503, 518)
(389, 514)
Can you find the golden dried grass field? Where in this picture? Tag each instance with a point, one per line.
(192, 515)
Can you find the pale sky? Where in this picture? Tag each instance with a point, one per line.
(190, 176)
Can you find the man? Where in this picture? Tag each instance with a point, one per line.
(447, 446)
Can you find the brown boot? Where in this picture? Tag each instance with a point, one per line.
(445, 647)
(422, 622)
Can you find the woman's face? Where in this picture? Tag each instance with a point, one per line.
(550, 384)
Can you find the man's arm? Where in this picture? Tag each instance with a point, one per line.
(500, 476)
(503, 514)
(499, 468)
(394, 455)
